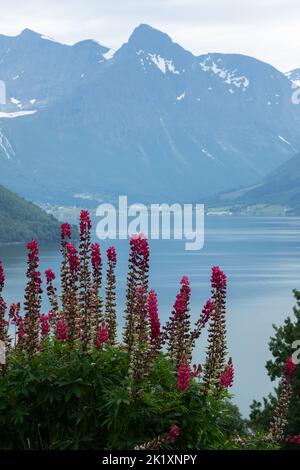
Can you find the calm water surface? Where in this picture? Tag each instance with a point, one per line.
(261, 257)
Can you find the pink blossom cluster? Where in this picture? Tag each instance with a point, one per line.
(218, 279)
(73, 258)
(85, 224)
(183, 298)
(227, 376)
(154, 318)
(111, 254)
(184, 374)
(102, 335)
(290, 368)
(66, 231)
(96, 255)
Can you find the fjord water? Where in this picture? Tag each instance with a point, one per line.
(261, 257)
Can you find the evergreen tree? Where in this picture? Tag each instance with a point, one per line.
(282, 345)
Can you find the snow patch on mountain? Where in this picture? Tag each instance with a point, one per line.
(109, 54)
(6, 146)
(180, 97)
(294, 76)
(4, 115)
(229, 77)
(284, 140)
(164, 65)
(209, 155)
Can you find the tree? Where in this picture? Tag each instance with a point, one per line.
(282, 345)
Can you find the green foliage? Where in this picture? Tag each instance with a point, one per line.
(66, 399)
(281, 347)
(21, 220)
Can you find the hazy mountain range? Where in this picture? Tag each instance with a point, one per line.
(151, 121)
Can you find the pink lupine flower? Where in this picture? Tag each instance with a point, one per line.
(184, 374)
(21, 330)
(168, 438)
(61, 330)
(138, 275)
(96, 255)
(182, 299)
(140, 243)
(50, 275)
(73, 258)
(37, 281)
(174, 433)
(102, 335)
(155, 334)
(14, 313)
(33, 251)
(227, 376)
(207, 311)
(290, 368)
(44, 325)
(218, 279)
(85, 222)
(65, 231)
(111, 254)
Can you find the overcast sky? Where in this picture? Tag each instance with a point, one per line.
(266, 29)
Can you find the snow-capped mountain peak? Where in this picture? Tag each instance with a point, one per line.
(144, 122)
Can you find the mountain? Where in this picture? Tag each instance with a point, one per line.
(151, 121)
(22, 221)
(294, 76)
(280, 189)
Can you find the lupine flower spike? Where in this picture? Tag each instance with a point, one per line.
(168, 438)
(110, 295)
(85, 297)
(282, 408)
(184, 374)
(216, 353)
(102, 335)
(227, 375)
(96, 302)
(137, 278)
(32, 304)
(177, 332)
(3, 323)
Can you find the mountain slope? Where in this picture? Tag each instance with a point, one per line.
(281, 188)
(294, 76)
(154, 122)
(21, 221)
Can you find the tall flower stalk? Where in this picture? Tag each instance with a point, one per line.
(64, 270)
(280, 419)
(71, 308)
(85, 288)
(97, 303)
(139, 355)
(33, 300)
(155, 331)
(217, 346)
(52, 294)
(110, 295)
(4, 336)
(202, 321)
(138, 276)
(177, 332)
(168, 438)
(184, 374)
